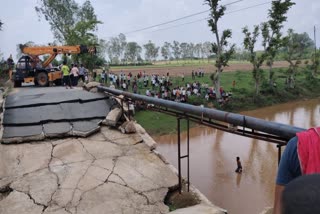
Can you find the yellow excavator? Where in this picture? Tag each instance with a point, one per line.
(30, 69)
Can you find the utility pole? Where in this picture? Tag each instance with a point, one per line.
(315, 51)
(315, 41)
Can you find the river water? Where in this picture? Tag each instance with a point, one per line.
(213, 158)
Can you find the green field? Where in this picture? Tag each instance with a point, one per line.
(175, 63)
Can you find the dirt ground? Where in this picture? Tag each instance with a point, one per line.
(186, 70)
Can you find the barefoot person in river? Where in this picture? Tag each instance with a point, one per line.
(239, 166)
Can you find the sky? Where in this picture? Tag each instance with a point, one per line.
(22, 24)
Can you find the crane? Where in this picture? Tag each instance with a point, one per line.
(29, 67)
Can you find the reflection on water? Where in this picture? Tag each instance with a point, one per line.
(213, 158)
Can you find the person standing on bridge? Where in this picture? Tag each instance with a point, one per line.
(301, 157)
(66, 75)
(75, 75)
(82, 72)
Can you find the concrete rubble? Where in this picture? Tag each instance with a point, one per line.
(113, 117)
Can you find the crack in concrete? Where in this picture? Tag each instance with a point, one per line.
(114, 160)
(126, 185)
(67, 210)
(134, 191)
(82, 193)
(33, 200)
(74, 191)
(50, 170)
(18, 159)
(94, 157)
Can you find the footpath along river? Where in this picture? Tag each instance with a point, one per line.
(213, 158)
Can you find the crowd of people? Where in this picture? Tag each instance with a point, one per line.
(155, 85)
(161, 86)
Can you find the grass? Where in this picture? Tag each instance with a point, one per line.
(243, 96)
(158, 123)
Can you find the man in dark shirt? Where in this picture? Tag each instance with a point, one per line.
(289, 169)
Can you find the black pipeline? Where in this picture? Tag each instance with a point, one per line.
(273, 128)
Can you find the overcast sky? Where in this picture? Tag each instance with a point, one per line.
(21, 23)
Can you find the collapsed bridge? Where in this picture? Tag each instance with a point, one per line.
(247, 126)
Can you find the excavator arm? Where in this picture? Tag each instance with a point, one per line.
(53, 51)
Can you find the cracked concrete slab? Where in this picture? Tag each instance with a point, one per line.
(85, 128)
(22, 131)
(18, 202)
(17, 160)
(101, 149)
(56, 113)
(142, 172)
(33, 115)
(44, 96)
(77, 175)
(29, 184)
(71, 151)
(57, 129)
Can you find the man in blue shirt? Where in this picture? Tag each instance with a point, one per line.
(289, 169)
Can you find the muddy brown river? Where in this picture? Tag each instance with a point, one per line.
(213, 158)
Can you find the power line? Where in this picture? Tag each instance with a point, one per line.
(203, 19)
(178, 19)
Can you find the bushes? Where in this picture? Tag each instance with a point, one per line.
(195, 100)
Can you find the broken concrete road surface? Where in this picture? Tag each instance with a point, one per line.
(39, 113)
(106, 173)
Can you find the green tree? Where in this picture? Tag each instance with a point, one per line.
(184, 50)
(295, 46)
(191, 50)
(116, 47)
(256, 59)
(132, 52)
(122, 44)
(151, 51)
(221, 47)
(166, 51)
(71, 23)
(206, 50)
(293, 54)
(271, 31)
(271, 40)
(315, 63)
(176, 50)
(197, 50)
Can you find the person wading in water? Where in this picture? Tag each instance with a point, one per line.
(239, 166)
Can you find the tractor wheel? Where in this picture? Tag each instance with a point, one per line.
(42, 79)
(17, 84)
(58, 82)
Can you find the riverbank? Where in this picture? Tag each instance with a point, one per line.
(243, 97)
